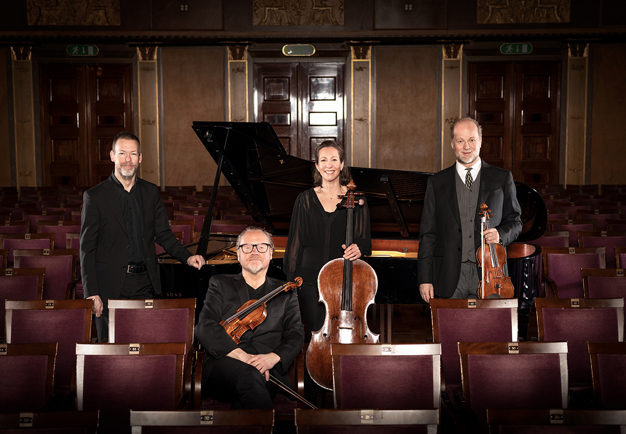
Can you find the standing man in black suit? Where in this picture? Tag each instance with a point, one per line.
(122, 218)
(239, 373)
(450, 226)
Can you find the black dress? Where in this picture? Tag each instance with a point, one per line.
(315, 237)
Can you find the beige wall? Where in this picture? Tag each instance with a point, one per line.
(193, 90)
(5, 151)
(608, 148)
(406, 108)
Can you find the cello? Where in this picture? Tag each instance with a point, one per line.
(347, 288)
(491, 258)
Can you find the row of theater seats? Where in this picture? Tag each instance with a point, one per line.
(153, 364)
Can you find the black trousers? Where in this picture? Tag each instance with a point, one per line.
(236, 382)
(136, 286)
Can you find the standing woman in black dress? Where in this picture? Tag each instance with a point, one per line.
(317, 233)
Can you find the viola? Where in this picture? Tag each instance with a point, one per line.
(253, 312)
(347, 288)
(491, 258)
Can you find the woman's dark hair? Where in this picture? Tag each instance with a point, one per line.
(344, 176)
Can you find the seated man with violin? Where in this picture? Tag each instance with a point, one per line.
(239, 373)
(450, 230)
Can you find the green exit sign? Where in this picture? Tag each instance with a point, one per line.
(519, 48)
(82, 50)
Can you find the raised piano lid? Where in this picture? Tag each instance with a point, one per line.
(268, 180)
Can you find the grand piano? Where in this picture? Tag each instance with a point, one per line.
(268, 180)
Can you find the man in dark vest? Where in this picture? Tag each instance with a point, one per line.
(450, 227)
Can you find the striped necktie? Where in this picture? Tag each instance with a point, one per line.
(468, 178)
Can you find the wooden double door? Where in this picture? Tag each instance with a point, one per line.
(517, 104)
(304, 102)
(82, 108)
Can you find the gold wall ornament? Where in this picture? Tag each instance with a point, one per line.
(578, 50)
(73, 13)
(361, 52)
(237, 52)
(522, 11)
(147, 54)
(298, 13)
(452, 51)
(21, 53)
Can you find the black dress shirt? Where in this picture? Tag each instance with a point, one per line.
(131, 208)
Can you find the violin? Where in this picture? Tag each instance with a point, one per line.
(253, 312)
(346, 288)
(491, 258)
(250, 315)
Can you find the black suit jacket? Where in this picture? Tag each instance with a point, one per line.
(104, 244)
(281, 333)
(439, 259)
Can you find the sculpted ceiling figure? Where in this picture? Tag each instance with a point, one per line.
(73, 12)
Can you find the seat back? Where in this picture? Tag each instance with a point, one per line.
(4, 256)
(46, 422)
(60, 229)
(578, 321)
(19, 284)
(572, 226)
(191, 421)
(26, 376)
(12, 242)
(395, 377)
(603, 283)
(117, 377)
(15, 227)
(605, 239)
(52, 216)
(616, 224)
(60, 265)
(184, 226)
(562, 268)
(197, 217)
(514, 375)
(596, 215)
(553, 239)
(366, 421)
(620, 256)
(66, 322)
(608, 364)
(454, 321)
(539, 421)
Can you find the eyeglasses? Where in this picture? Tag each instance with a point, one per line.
(261, 248)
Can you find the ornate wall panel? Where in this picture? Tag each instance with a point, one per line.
(416, 14)
(300, 13)
(149, 113)
(73, 13)
(523, 12)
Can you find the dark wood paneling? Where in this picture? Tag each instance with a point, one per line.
(413, 14)
(187, 15)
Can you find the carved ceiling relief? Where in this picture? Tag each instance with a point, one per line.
(73, 13)
(522, 11)
(298, 13)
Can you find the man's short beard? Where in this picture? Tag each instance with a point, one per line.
(474, 158)
(127, 177)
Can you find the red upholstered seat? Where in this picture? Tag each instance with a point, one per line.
(578, 321)
(562, 268)
(513, 375)
(19, 284)
(572, 226)
(26, 376)
(555, 421)
(197, 217)
(194, 421)
(341, 421)
(60, 230)
(117, 377)
(608, 364)
(60, 265)
(4, 256)
(392, 377)
(12, 242)
(47, 422)
(66, 322)
(600, 218)
(553, 239)
(15, 227)
(455, 321)
(620, 256)
(53, 216)
(608, 240)
(184, 226)
(603, 283)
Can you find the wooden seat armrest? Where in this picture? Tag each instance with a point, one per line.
(551, 284)
(197, 376)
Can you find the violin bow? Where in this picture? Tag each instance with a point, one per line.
(288, 389)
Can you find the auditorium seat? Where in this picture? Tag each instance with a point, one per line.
(616, 224)
(60, 265)
(114, 378)
(561, 268)
(34, 218)
(194, 421)
(15, 227)
(60, 229)
(66, 322)
(19, 284)
(605, 239)
(577, 321)
(385, 376)
(620, 256)
(4, 256)
(198, 218)
(608, 365)
(26, 376)
(366, 421)
(454, 321)
(572, 226)
(179, 236)
(553, 239)
(50, 422)
(184, 226)
(595, 214)
(12, 242)
(513, 375)
(555, 421)
(603, 283)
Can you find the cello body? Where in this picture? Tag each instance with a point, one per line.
(341, 326)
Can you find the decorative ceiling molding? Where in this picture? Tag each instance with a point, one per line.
(523, 12)
(73, 13)
(298, 13)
